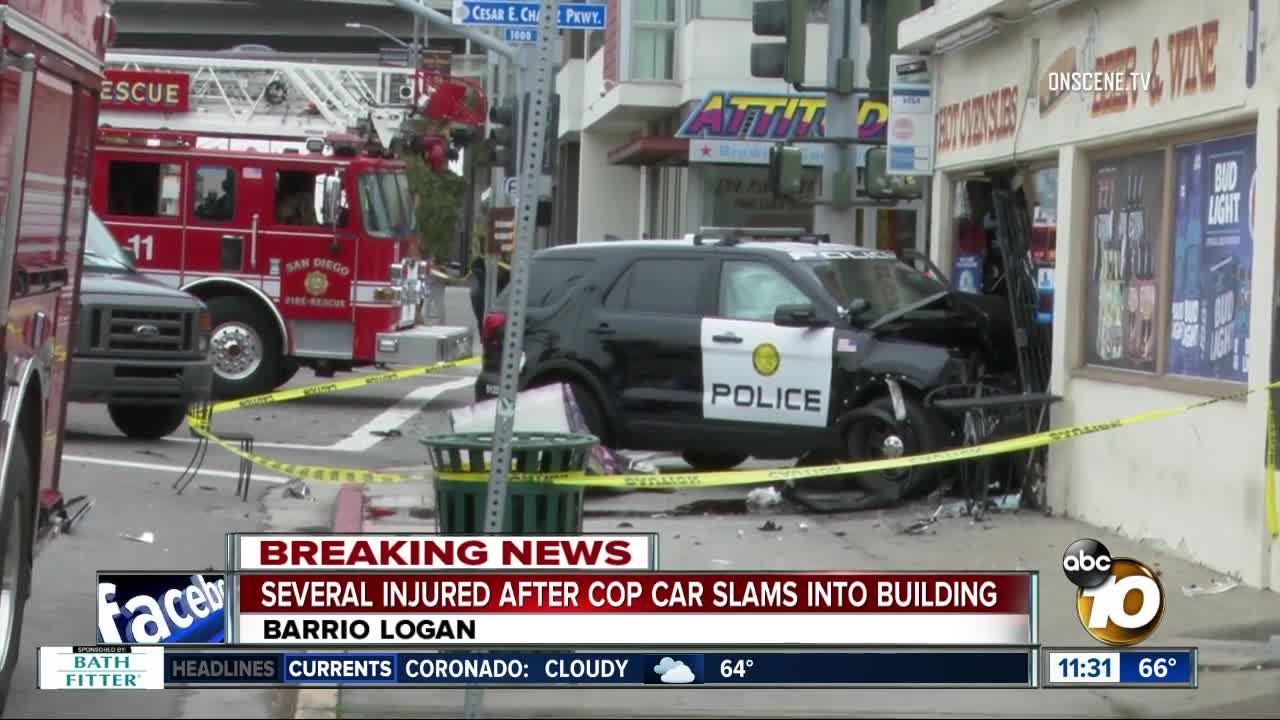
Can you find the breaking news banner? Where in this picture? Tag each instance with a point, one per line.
(101, 667)
(407, 552)
(1148, 667)
(171, 608)
(593, 609)
(969, 668)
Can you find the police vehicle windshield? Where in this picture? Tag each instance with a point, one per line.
(879, 278)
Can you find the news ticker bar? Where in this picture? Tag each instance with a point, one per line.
(154, 667)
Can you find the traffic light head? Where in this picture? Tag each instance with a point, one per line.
(786, 170)
(505, 119)
(779, 18)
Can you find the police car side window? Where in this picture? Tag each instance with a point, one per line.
(753, 291)
(667, 286)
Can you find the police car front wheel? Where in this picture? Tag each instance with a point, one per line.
(712, 462)
(876, 433)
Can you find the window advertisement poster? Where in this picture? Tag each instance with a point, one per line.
(1213, 251)
(1121, 312)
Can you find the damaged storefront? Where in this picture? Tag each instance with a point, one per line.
(1140, 140)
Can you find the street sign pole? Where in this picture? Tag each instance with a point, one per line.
(537, 88)
(538, 92)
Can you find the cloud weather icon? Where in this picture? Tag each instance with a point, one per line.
(673, 672)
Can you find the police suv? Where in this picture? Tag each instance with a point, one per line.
(746, 342)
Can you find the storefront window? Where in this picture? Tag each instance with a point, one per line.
(1214, 206)
(739, 196)
(1044, 238)
(1128, 206)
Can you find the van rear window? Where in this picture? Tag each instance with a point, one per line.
(551, 279)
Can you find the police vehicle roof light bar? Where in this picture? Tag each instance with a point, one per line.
(736, 235)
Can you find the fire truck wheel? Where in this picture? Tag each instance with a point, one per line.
(246, 349)
(16, 535)
(288, 369)
(147, 422)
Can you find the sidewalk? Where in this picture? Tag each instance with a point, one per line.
(1231, 628)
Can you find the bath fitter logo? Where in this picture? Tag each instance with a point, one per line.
(101, 667)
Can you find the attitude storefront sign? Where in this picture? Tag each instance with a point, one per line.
(735, 127)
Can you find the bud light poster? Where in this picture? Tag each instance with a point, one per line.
(967, 276)
(1213, 251)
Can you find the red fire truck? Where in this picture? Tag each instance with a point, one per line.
(51, 57)
(269, 190)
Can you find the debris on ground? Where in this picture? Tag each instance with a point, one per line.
(147, 537)
(297, 489)
(1217, 586)
(377, 513)
(770, 526)
(210, 488)
(764, 497)
(802, 525)
(659, 516)
(723, 563)
(386, 433)
(152, 453)
(740, 533)
(839, 533)
(920, 526)
(625, 525)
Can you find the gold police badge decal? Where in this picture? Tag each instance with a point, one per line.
(766, 359)
(317, 282)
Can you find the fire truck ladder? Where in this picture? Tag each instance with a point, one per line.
(273, 99)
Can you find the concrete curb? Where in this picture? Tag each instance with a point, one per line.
(348, 517)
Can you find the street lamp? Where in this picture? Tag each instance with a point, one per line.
(380, 31)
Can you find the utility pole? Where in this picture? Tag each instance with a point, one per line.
(844, 26)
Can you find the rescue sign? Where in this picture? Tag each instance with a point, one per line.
(146, 91)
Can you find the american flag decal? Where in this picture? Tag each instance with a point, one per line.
(846, 345)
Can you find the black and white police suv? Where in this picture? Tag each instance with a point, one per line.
(741, 342)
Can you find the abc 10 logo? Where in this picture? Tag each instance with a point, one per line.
(1120, 601)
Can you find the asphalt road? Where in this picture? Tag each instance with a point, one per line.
(131, 483)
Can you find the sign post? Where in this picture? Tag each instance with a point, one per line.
(910, 141)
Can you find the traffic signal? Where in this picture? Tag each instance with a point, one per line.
(785, 19)
(786, 170)
(505, 118)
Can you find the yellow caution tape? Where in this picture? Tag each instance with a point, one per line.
(338, 385)
(699, 479)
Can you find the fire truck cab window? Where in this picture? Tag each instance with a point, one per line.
(321, 186)
(144, 189)
(373, 207)
(215, 197)
(296, 197)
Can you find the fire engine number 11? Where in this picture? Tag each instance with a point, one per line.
(143, 247)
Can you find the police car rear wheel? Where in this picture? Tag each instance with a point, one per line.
(16, 534)
(879, 435)
(712, 462)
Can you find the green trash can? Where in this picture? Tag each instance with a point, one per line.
(532, 508)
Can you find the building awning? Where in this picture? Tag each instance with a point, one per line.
(651, 150)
